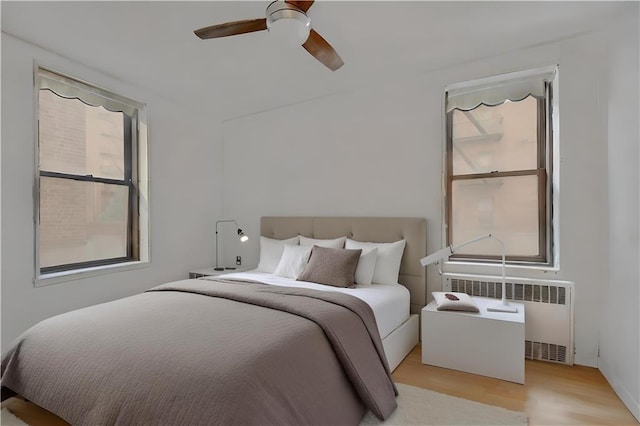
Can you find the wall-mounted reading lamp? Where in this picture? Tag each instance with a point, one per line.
(443, 255)
(241, 235)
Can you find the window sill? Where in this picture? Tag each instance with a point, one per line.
(453, 266)
(79, 274)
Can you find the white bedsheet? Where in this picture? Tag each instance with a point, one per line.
(390, 303)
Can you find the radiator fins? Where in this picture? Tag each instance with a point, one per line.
(545, 351)
(525, 292)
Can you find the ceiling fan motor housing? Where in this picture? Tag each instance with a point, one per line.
(286, 18)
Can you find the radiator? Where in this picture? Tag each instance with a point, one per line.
(548, 310)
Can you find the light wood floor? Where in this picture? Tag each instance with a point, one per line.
(553, 394)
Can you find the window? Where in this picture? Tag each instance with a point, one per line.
(499, 166)
(91, 177)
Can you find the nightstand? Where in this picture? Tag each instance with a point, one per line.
(486, 343)
(209, 271)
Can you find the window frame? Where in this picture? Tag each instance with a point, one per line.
(135, 179)
(546, 122)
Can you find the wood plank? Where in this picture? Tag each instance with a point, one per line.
(31, 414)
(552, 394)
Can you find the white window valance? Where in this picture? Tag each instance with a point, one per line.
(74, 89)
(496, 90)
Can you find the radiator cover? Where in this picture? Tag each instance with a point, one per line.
(548, 310)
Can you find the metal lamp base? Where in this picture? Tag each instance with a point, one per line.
(502, 308)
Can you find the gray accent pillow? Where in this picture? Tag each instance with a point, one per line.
(331, 266)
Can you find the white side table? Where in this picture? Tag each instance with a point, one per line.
(486, 343)
(209, 271)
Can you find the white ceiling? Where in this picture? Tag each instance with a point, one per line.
(152, 45)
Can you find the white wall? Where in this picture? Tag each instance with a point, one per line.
(378, 152)
(184, 151)
(620, 330)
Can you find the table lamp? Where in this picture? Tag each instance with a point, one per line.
(241, 235)
(443, 254)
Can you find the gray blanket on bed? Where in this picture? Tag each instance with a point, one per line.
(199, 352)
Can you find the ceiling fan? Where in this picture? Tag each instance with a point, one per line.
(288, 13)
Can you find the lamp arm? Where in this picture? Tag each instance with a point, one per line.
(223, 221)
(504, 263)
(475, 240)
(504, 285)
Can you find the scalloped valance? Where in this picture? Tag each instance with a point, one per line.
(74, 89)
(496, 90)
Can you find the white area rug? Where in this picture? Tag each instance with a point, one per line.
(415, 407)
(8, 419)
(424, 407)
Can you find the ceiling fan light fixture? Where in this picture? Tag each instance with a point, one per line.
(288, 23)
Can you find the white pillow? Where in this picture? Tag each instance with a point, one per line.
(387, 259)
(271, 252)
(366, 266)
(334, 243)
(294, 260)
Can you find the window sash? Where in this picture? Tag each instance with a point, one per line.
(543, 171)
(90, 226)
(84, 178)
(85, 265)
(69, 88)
(541, 175)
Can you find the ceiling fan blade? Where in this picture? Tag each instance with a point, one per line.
(303, 5)
(322, 51)
(232, 28)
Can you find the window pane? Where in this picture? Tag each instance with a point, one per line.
(79, 139)
(499, 138)
(505, 206)
(81, 221)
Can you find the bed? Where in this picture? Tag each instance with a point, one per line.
(404, 336)
(231, 350)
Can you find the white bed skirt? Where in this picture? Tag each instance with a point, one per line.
(401, 341)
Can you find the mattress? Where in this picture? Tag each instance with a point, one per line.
(390, 303)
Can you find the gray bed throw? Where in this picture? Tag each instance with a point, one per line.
(201, 352)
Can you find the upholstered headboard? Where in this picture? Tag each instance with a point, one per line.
(375, 229)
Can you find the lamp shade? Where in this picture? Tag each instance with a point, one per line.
(442, 254)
